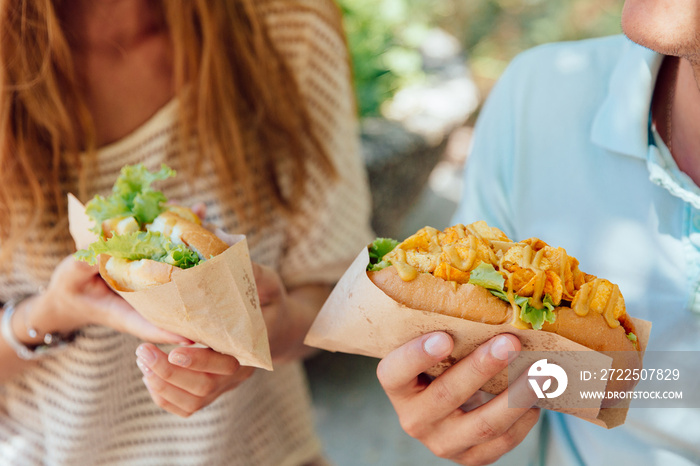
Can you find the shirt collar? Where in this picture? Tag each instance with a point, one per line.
(621, 123)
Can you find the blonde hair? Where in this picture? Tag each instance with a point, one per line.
(236, 94)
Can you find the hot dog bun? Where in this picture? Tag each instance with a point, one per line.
(125, 275)
(471, 302)
(428, 293)
(431, 271)
(202, 241)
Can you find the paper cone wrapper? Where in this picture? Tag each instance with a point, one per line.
(359, 318)
(214, 304)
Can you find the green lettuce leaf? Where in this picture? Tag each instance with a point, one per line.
(132, 196)
(379, 248)
(141, 245)
(536, 317)
(486, 276)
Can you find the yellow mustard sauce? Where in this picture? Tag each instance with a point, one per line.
(516, 321)
(609, 312)
(405, 271)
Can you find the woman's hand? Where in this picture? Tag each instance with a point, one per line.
(432, 412)
(188, 379)
(288, 314)
(77, 296)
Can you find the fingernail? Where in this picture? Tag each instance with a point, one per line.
(145, 382)
(179, 359)
(142, 365)
(437, 345)
(502, 349)
(147, 355)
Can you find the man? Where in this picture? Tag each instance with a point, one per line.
(594, 146)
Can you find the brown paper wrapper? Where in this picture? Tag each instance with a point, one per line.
(359, 318)
(214, 304)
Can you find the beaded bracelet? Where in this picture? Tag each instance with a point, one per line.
(51, 341)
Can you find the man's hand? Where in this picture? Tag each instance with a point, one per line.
(432, 413)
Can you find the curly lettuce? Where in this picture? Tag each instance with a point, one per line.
(379, 248)
(483, 275)
(141, 245)
(132, 196)
(486, 276)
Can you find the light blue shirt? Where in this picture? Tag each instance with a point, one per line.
(563, 151)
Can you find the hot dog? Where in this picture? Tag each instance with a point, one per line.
(476, 272)
(141, 238)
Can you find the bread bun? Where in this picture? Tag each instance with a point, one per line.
(471, 302)
(125, 275)
(428, 293)
(438, 271)
(593, 332)
(182, 231)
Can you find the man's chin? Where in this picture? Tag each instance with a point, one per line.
(668, 34)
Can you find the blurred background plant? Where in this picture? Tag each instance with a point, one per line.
(385, 36)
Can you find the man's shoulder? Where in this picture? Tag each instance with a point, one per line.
(568, 65)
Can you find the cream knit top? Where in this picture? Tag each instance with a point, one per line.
(87, 405)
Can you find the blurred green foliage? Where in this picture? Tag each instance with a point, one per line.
(384, 36)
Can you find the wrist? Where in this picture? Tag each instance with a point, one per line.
(301, 307)
(20, 324)
(43, 314)
(22, 336)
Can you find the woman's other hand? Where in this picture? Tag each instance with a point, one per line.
(432, 412)
(288, 314)
(78, 296)
(188, 379)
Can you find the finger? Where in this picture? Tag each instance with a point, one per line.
(75, 270)
(457, 384)
(179, 390)
(479, 398)
(491, 451)
(204, 360)
(492, 419)
(152, 360)
(228, 238)
(399, 370)
(172, 398)
(83, 267)
(491, 423)
(120, 315)
(165, 404)
(199, 209)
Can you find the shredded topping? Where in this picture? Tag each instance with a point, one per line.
(531, 269)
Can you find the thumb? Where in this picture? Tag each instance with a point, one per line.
(75, 270)
(399, 369)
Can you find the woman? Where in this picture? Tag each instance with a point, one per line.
(250, 102)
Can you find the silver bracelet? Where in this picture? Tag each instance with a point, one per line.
(51, 341)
